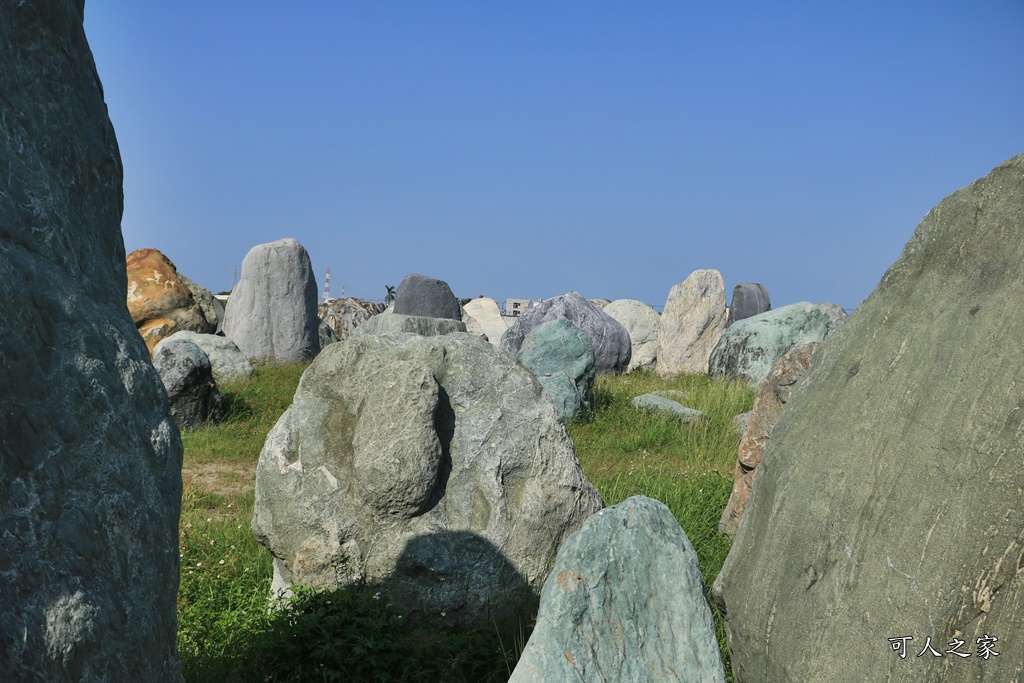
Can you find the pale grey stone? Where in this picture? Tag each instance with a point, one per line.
(486, 312)
(227, 362)
(642, 323)
(668, 406)
(691, 324)
(419, 295)
(272, 313)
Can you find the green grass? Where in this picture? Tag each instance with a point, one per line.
(226, 632)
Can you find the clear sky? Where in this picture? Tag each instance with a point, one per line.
(534, 148)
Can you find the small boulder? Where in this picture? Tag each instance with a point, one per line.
(424, 296)
(624, 603)
(768, 404)
(612, 346)
(396, 323)
(226, 361)
(750, 347)
(668, 406)
(272, 311)
(562, 359)
(486, 312)
(748, 300)
(691, 324)
(187, 376)
(158, 300)
(641, 323)
(348, 313)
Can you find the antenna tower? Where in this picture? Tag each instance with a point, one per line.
(327, 286)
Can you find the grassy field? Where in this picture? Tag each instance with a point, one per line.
(227, 634)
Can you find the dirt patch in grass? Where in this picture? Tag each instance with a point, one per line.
(224, 479)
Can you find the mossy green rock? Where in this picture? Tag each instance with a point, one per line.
(562, 359)
(888, 501)
(624, 603)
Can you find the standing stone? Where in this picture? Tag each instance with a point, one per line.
(562, 359)
(191, 390)
(888, 501)
(226, 361)
(272, 311)
(641, 323)
(748, 300)
(90, 461)
(624, 603)
(159, 301)
(691, 324)
(768, 404)
(749, 348)
(426, 297)
(610, 340)
(432, 466)
(486, 312)
(347, 313)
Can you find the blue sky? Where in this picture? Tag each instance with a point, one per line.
(534, 148)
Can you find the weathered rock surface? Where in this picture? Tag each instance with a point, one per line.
(433, 465)
(771, 398)
(624, 603)
(750, 347)
(836, 313)
(426, 297)
(159, 301)
(396, 323)
(472, 326)
(748, 300)
(740, 422)
(641, 323)
(348, 313)
(191, 390)
(600, 303)
(226, 361)
(486, 312)
(668, 406)
(610, 340)
(90, 461)
(326, 334)
(272, 311)
(691, 324)
(888, 501)
(213, 309)
(562, 359)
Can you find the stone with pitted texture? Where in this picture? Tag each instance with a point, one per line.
(624, 603)
(90, 461)
(433, 466)
(888, 500)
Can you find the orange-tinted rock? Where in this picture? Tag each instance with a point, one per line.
(159, 302)
(771, 399)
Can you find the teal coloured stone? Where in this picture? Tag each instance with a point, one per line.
(562, 358)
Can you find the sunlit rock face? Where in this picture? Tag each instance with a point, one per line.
(90, 462)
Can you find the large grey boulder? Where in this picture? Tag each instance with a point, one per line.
(691, 324)
(888, 502)
(272, 311)
(433, 466)
(486, 312)
(226, 360)
(612, 347)
(641, 323)
(424, 296)
(748, 299)
(188, 378)
(771, 398)
(396, 323)
(750, 347)
(90, 461)
(562, 359)
(624, 603)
